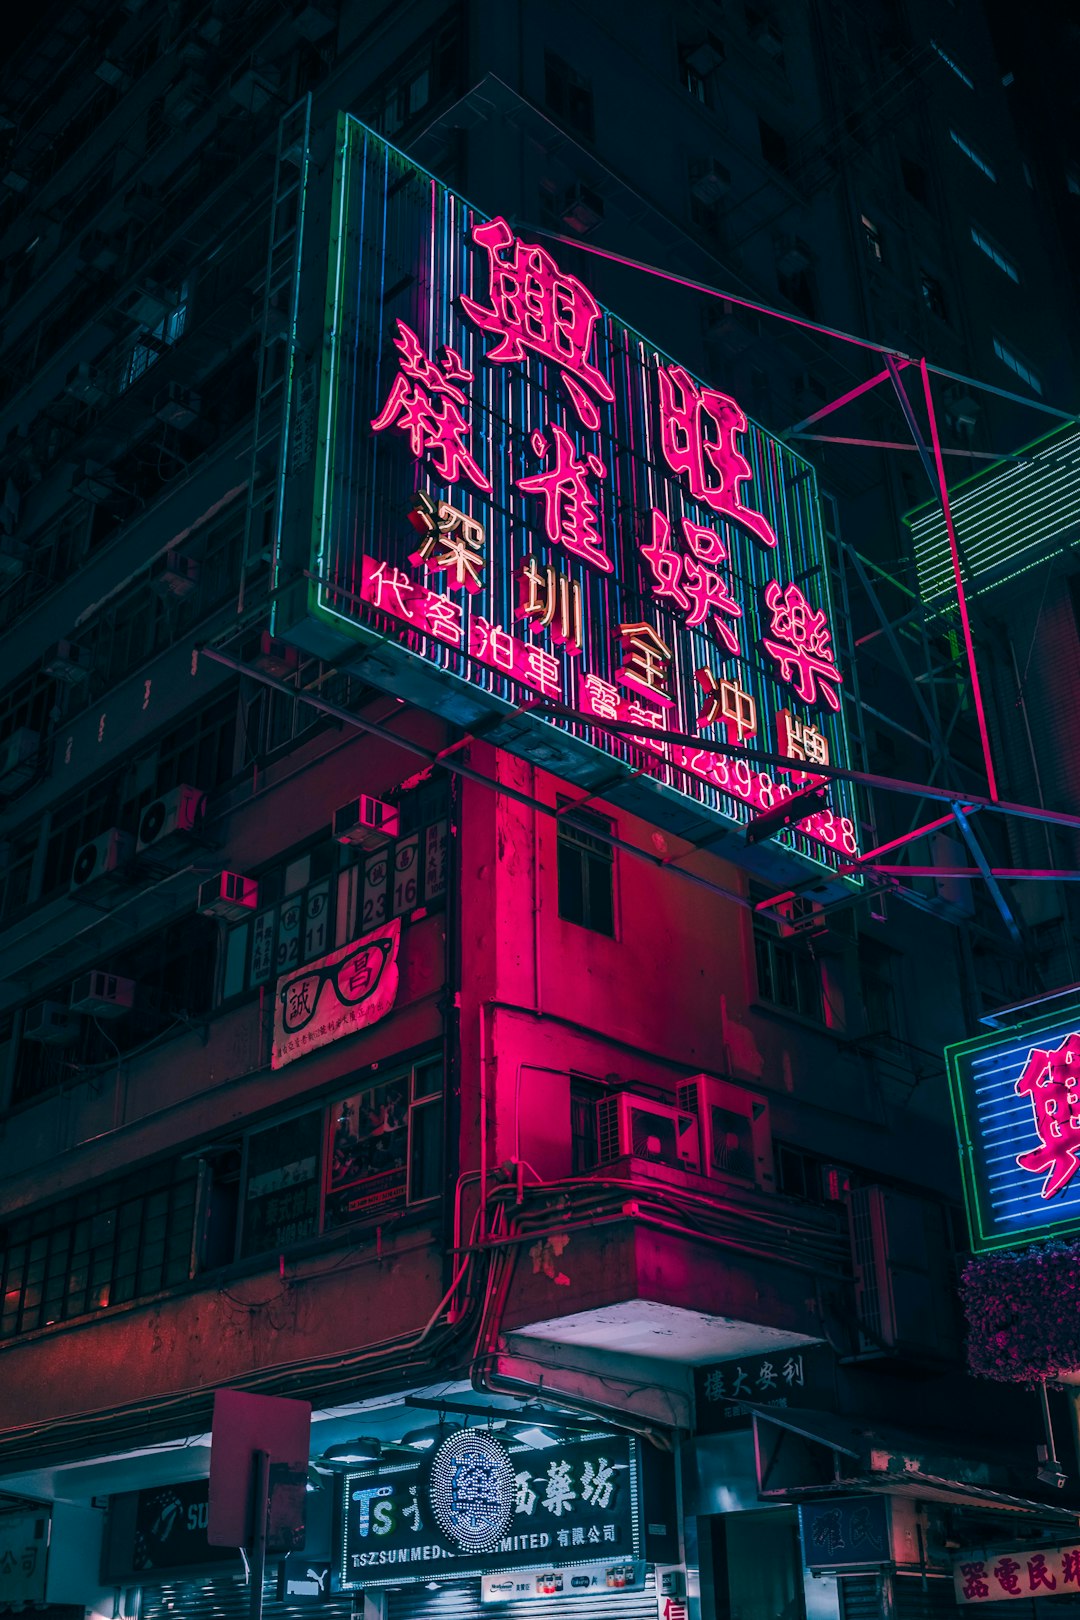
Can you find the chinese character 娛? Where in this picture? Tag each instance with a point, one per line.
(648, 657)
(801, 644)
(425, 402)
(727, 703)
(548, 600)
(535, 306)
(451, 540)
(1052, 1080)
(688, 581)
(697, 435)
(570, 507)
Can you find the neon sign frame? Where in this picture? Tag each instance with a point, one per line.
(467, 374)
(1018, 1185)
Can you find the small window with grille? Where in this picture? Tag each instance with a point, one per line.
(586, 870)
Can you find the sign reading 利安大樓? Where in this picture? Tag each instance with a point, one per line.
(482, 1502)
(1016, 1102)
(520, 503)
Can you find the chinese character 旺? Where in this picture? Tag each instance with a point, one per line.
(443, 619)
(491, 644)
(647, 657)
(766, 1378)
(714, 1385)
(389, 589)
(974, 1577)
(1052, 1080)
(727, 703)
(1038, 1574)
(1007, 1575)
(599, 697)
(559, 1494)
(802, 646)
(425, 403)
(792, 1371)
(540, 669)
(535, 306)
(550, 601)
(525, 1497)
(451, 540)
(570, 507)
(597, 1484)
(697, 435)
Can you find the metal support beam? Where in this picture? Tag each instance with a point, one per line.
(988, 874)
(835, 405)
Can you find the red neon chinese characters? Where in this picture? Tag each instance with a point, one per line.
(1052, 1080)
(550, 601)
(648, 659)
(535, 306)
(569, 504)
(451, 540)
(697, 435)
(728, 703)
(425, 403)
(802, 646)
(702, 592)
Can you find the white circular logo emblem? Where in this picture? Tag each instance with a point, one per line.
(471, 1487)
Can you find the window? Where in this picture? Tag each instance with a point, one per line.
(985, 245)
(106, 1247)
(1017, 366)
(788, 975)
(155, 340)
(586, 870)
(916, 180)
(933, 295)
(953, 66)
(384, 1146)
(584, 1132)
(568, 94)
(972, 156)
(774, 146)
(415, 81)
(698, 61)
(872, 238)
(877, 979)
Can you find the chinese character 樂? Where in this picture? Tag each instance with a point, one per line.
(800, 641)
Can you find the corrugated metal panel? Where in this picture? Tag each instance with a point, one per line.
(861, 1597)
(228, 1598)
(463, 1603)
(929, 1600)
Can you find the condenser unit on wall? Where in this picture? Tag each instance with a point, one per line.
(102, 995)
(171, 821)
(635, 1127)
(176, 576)
(50, 1022)
(66, 661)
(366, 823)
(736, 1137)
(100, 861)
(230, 896)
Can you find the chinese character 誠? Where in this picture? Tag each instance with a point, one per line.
(698, 428)
(451, 540)
(425, 402)
(550, 601)
(726, 704)
(1052, 1080)
(570, 507)
(801, 643)
(536, 307)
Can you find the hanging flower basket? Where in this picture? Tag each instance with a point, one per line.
(1023, 1314)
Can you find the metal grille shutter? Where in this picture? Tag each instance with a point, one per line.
(226, 1597)
(860, 1597)
(463, 1603)
(935, 1600)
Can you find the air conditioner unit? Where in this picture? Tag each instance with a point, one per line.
(100, 861)
(366, 823)
(170, 822)
(710, 181)
(736, 1139)
(66, 661)
(634, 1127)
(276, 657)
(903, 1290)
(177, 406)
(102, 995)
(52, 1023)
(313, 22)
(792, 255)
(582, 210)
(177, 576)
(83, 382)
(706, 57)
(149, 303)
(19, 756)
(14, 557)
(230, 896)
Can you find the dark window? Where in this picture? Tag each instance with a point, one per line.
(933, 295)
(877, 978)
(872, 237)
(584, 1136)
(586, 871)
(698, 60)
(774, 145)
(916, 180)
(788, 975)
(385, 1145)
(569, 96)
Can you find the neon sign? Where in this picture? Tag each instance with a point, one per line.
(598, 528)
(1016, 1101)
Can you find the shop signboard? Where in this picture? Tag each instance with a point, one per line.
(335, 995)
(24, 1554)
(483, 1503)
(982, 1576)
(302, 1577)
(162, 1529)
(516, 1585)
(727, 1392)
(520, 505)
(845, 1532)
(1016, 1105)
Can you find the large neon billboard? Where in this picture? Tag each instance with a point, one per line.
(1016, 1101)
(516, 491)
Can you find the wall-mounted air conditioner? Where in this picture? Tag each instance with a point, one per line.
(736, 1138)
(102, 860)
(176, 576)
(19, 756)
(230, 896)
(102, 995)
(366, 823)
(171, 821)
(276, 657)
(52, 1023)
(710, 180)
(177, 406)
(67, 662)
(635, 1127)
(84, 382)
